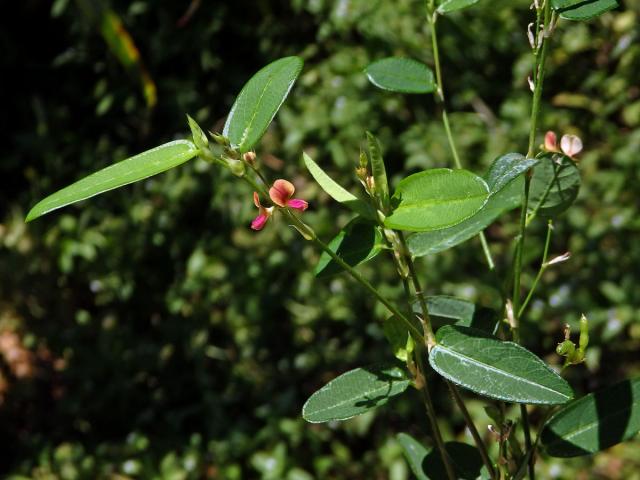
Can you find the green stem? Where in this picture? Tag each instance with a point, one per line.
(474, 431)
(540, 53)
(432, 16)
(543, 267)
(353, 272)
(428, 329)
(428, 404)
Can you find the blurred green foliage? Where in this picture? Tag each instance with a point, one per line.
(155, 336)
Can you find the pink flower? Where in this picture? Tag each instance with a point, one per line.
(264, 214)
(281, 193)
(551, 142)
(571, 145)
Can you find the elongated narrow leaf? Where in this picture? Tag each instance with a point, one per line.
(505, 182)
(402, 75)
(554, 186)
(378, 170)
(452, 5)
(127, 171)
(426, 463)
(358, 242)
(583, 9)
(354, 393)
(259, 101)
(335, 191)
(496, 369)
(594, 422)
(436, 199)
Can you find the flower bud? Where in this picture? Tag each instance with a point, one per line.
(250, 158)
(551, 142)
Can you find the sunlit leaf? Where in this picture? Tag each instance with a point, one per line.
(436, 199)
(496, 369)
(127, 171)
(259, 101)
(583, 9)
(402, 75)
(335, 191)
(453, 5)
(354, 393)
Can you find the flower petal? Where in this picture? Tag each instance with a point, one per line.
(256, 200)
(281, 192)
(551, 142)
(298, 204)
(259, 222)
(571, 145)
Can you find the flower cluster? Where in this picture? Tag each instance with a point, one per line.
(571, 145)
(281, 194)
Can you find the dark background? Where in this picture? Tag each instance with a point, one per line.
(149, 333)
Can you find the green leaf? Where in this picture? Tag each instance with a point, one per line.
(594, 422)
(426, 463)
(259, 101)
(436, 199)
(127, 171)
(583, 9)
(496, 369)
(399, 337)
(453, 5)
(378, 170)
(358, 242)
(335, 191)
(199, 137)
(354, 393)
(554, 186)
(402, 75)
(505, 182)
(430, 243)
(506, 169)
(446, 310)
(415, 453)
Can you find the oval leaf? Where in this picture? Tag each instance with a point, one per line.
(335, 191)
(354, 393)
(259, 101)
(505, 182)
(426, 463)
(496, 369)
(594, 422)
(583, 9)
(506, 169)
(453, 5)
(436, 199)
(358, 242)
(402, 75)
(554, 186)
(127, 171)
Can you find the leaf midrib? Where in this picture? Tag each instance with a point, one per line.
(491, 368)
